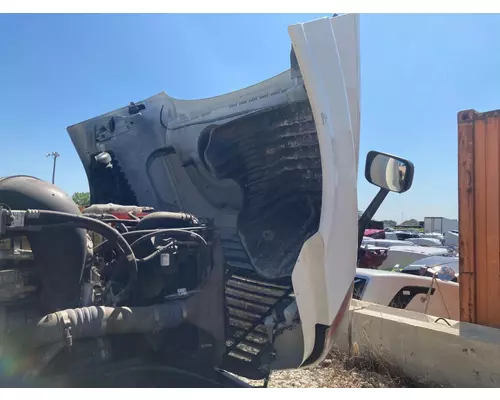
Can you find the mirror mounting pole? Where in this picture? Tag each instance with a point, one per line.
(369, 213)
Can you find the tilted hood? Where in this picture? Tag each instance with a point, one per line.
(248, 159)
(275, 164)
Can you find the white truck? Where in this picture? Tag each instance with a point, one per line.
(439, 225)
(246, 263)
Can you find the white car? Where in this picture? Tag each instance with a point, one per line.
(451, 238)
(425, 242)
(409, 292)
(433, 235)
(386, 242)
(427, 266)
(403, 256)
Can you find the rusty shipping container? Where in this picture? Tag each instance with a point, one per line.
(479, 216)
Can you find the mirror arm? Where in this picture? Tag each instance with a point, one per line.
(370, 211)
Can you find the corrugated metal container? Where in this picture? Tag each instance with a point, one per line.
(479, 216)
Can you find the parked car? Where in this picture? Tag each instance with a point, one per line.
(433, 235)
(403, 256)
(375, 233)
(429, 266)
(409, 292)
(386, 242)
(425, 241)
(451, 238)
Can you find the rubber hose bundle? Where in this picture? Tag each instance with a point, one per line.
(45, 217)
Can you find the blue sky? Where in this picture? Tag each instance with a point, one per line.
(417, 72)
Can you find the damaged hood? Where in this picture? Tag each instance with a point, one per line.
(249, 159)
(274, 165)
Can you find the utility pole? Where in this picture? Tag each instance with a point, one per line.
(54, 155)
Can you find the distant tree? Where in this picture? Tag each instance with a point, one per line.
(82, 199)
(410, 222)
(389, 223)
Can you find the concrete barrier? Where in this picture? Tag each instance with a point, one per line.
(422, 347)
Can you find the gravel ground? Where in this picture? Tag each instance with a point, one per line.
(335, 373)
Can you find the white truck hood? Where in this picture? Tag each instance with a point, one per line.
(274, 165)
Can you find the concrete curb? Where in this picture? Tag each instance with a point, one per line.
(425, 350)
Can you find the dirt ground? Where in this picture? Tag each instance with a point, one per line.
(337, 372)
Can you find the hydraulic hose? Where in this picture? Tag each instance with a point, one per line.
(167, 231)
(156, 253)
(132, 222)
(156, 232)
(88, 322)
(108, 218)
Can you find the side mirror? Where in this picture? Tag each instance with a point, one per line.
(389, 172)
